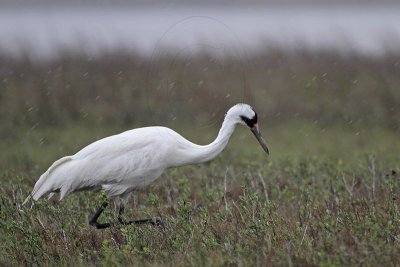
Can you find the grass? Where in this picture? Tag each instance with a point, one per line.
(241, 209)
(327, 196)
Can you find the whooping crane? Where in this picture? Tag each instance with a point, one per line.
(121, 163)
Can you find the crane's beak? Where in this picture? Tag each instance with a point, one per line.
(256, 131)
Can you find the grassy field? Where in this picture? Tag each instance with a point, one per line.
(327, 196)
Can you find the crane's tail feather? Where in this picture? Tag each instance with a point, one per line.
(46, 184)
(27, 199)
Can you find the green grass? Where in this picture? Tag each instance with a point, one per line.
(307, 204)
(327, 196)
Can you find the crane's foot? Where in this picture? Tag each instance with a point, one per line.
(154, 221)
(100, 225)
(94, 222)
(157, 221)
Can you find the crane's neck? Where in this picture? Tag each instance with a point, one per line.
(198, 154)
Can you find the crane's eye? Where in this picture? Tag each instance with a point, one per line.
(250, 122)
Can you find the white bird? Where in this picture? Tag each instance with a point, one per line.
(121, 163)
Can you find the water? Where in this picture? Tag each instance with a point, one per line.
(44, 33)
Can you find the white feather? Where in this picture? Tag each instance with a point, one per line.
(135, 158)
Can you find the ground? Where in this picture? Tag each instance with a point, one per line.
(328, 194)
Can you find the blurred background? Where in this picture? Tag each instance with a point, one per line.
(324, 76)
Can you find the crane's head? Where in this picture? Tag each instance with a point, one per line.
(245, 114)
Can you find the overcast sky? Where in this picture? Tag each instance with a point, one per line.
(164, 3)
(44, 28)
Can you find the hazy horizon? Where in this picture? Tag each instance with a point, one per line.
(193, 3)
(47, 31)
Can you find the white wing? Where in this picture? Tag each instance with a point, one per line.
(116, 163)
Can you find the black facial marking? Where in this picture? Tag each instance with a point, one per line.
(250, 122)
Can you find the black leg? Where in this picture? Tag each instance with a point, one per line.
(120, 212)
(94, 222)
(156, 221)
